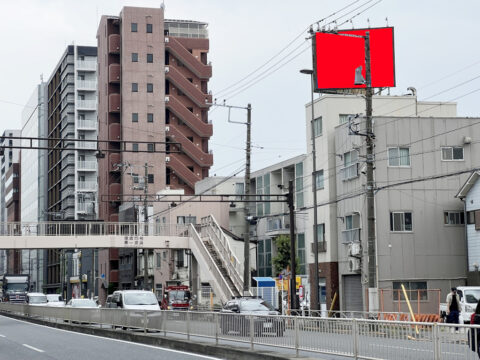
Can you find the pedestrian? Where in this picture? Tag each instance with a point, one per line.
(453, 307)
(474, 338)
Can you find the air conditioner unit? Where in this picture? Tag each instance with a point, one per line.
(167, 99)
(353, 264)
(167, 158)
(253, 233)
(167, 69)
(354, 249)
(167, 128)
(167, 40)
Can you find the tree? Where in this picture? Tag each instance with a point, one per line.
(282, 259)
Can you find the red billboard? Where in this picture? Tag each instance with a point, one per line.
(336, 58)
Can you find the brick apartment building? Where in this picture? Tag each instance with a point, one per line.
(152, 91)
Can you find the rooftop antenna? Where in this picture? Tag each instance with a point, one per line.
(162, 5)
(368, 21)
(386, 19)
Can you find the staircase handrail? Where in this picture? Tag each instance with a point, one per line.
(222, 246)
(220, 286)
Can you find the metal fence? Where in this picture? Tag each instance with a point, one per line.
(353, 338)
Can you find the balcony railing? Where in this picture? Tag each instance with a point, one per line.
(350, 172)
(87, 104)
(87, 145)
(86, 165)
(86, 124)
(351, 235)
(86, 185)
(86, 85)
(86, 65)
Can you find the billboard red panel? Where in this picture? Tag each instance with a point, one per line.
(336, 57)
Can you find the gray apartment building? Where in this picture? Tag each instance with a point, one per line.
(72, 170)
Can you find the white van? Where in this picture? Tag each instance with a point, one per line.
(133, 300)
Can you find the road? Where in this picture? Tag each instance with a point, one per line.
(23, 340)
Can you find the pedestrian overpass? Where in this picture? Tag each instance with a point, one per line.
(208, 242)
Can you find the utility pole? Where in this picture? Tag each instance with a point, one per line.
(293, 263)
(145, 219)
(372, 268)
(246, 237)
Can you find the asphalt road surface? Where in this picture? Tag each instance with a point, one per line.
(23, 340)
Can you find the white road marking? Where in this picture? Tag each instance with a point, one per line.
(2, 335)
(33, 348)
(117, 340)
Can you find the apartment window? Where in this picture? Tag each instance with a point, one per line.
(299, 185)
(352, 222)
(452, 153)
(149, 28)
(453, 218)
(134, 57)
(135, 147)
(399, 156)
(350, 165)
(319, 180)
(150, 87)
(134, 27)
(135, 178)
(151, 179)
(149, 58)
(134, 117)
(321, 238)
(185, 220)
(150, 117)
(134, 87)
(344, 117)
(401, 221)
(159, 260)
(264, 257)
(415, 290)
(151, 147)
(317, 127)
(301, 254)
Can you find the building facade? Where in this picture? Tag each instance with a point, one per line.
(153, 95)
(33, 180)
(404, 251)
(72, 170)
(8, 158)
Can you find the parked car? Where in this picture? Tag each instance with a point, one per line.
(237, 313)
(82, 303)
(36, 299)
(469, 296)
(133, 300)
(55, 300)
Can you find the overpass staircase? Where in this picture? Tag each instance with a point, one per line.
(210, 246)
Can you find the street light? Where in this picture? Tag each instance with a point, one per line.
(316, 295)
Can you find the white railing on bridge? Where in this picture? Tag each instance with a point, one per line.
(60, 228)
(213, 231)
(352, 338)
(200, 251)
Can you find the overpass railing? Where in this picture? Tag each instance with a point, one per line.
(58, 228)
(352, 338)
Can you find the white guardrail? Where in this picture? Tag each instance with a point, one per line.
(98, 228)
(353, 338)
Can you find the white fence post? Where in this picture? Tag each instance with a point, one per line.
(145, 321)
(436, 342)
(252, 329)
(216, 315)
(355, 338)
(188, 325)
(297, 339)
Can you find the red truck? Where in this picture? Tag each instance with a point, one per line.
(177, 297)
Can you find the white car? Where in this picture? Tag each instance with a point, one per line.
(36, 299)
(82, 303)
(55, 300)
(133, 300)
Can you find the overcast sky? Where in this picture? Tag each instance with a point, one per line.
(436, 48)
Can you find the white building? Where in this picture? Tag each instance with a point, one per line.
(33, 201)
